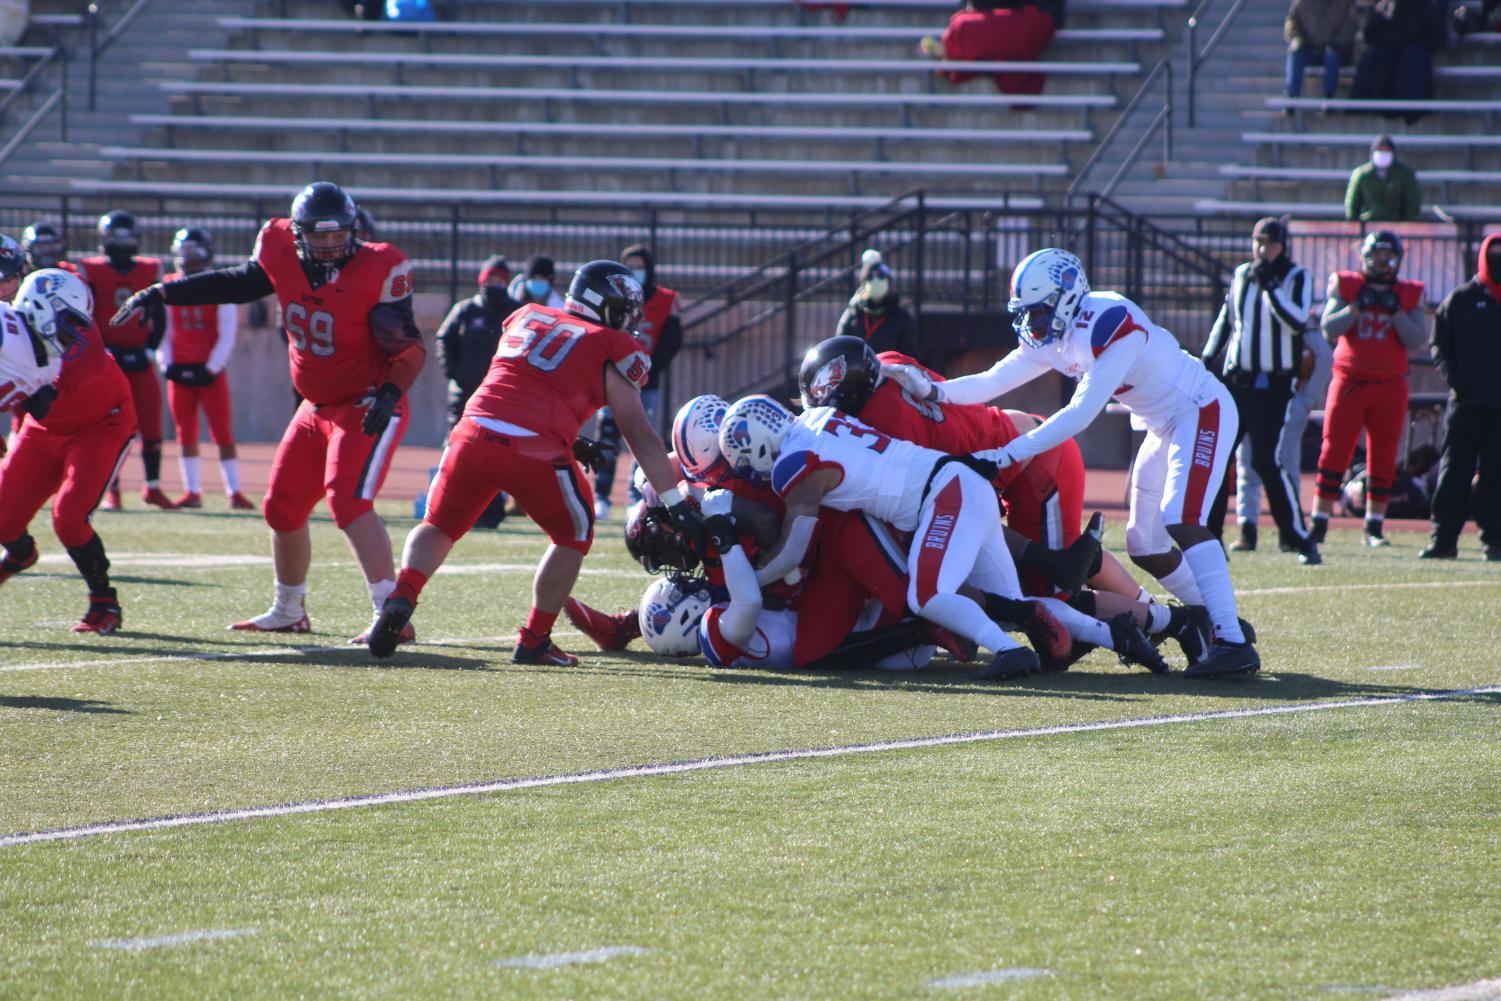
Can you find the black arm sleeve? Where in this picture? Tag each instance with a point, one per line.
(244, 283)
(156, 323)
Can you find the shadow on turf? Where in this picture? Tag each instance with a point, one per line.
(58, 704)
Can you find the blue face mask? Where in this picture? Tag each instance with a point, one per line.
(538, 288)
(640, 276)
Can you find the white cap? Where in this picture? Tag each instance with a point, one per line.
(869, 257)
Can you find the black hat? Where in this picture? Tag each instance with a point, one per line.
(538, 266)
(1271, 229)
(1381, 141)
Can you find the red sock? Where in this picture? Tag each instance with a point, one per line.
(409, 584)
(538, 625)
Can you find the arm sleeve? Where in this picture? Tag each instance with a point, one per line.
(1016, 369)
(229, 323)
(1219, 334)
(1093, 392)
(1409, 327)
(1293, 299)
(395, 330)
(737, 623)
(245, 283)
(1352, 196)
(450, 342)
(789, 555)
(1339, 317)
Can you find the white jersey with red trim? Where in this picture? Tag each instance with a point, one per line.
(881, 475)
(1163, 383)
(20, 375)
(771, 645)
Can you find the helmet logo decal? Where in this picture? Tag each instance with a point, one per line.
(1067, 278)
(624, 285)
(827, 380)
(740, 434)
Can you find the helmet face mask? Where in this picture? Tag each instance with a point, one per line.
(695, 435)
(58, 307)
(751, 437)
(192, 250)
(43, 245)
(670, 613)
(1046, 290)
(607, 293)
(655, 543)
(841, 372)
(1381, 256)
(117, 235)
(323, 220)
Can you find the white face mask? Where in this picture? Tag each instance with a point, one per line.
(876, 289)
(1383, 158)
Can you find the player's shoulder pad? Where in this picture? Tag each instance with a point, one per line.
(397, 284)
(1110, 325)
(717, 650)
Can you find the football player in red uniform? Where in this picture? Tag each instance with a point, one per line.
(44, 247)
(193, 356)
(354, 350)
(79, 423)
(552, 370)
(114, 276)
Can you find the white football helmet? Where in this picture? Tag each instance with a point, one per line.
(669, 615)
(751, 436)
(1046, 289)
(695, 434)
(55, 302)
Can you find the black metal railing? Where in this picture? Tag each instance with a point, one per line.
(1194, 58)
(1162, 120)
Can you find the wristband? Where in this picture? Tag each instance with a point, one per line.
(672, 497)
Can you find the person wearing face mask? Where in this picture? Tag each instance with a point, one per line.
(661, 330)
(1467, 353)
(1383, 190)
(876, 315)
(467, 341)
(533, 287)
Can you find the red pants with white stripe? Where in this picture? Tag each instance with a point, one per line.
(855, 559)
(326, 453)
(185, 401)
(1177, 474)
(1380, 407)
(78, 466)
(540, 474)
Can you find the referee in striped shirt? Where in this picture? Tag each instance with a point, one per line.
(1260, 332)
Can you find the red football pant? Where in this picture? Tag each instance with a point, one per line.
(78, 466)
(146, 393)
(855, 559)
(1380, 408)
(1046, 505)
(184, 402)
(325, 453)
(479, 463)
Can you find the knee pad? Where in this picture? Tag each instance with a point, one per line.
(283, 517)
(346, 510)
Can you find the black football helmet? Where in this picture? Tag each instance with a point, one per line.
(117, 234)
(840, 372)
(364, 224)
(44, 245)
(192, 249)
(655, 543)
(1379, 267)
(319, 209)
(606, 292)
(12, 259)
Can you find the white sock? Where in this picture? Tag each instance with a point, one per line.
(961, 615)
(380, 590)
(1144, 596)
(192, 478)
(230, 469)
(1181, 584)
(290, 597)
(1158, 617)
(153, 484)
(1213, 574)
(1084, 628)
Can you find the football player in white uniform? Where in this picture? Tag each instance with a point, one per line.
(1109, 345)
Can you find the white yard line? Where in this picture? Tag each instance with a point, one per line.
(181, 938)
(990, 977)
(554, 960)
(1396, 667)
(701, 765)
(1480, 990)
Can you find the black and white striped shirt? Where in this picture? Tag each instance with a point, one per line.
(1264, 327)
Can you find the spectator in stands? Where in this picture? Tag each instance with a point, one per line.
(997, 31)
(1467, 352)
(364, 10)
(467, 341)
(534, 285)
(876, 315)
(1319, 31)
(1401, 37)
(1486, 17)
(1384, 189)
(662, 331)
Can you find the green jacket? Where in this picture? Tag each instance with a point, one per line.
(1370, 198)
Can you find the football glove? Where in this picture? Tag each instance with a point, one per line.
(39, 404)
(720, 529)
(1389, 301)
(590, 454)
(382, 409)
(1367, 297)
(1265, 276)
(911, 378)
(146, 299)
(687, 520)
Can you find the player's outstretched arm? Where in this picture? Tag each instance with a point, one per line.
(803, 501)
(635, 427)
(738, 622)
(1016, 369)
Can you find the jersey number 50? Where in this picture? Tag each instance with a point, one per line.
(542, 339)
(309, 331)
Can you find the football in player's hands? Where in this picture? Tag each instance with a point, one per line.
(382, 409)
(141, 301)
(911, 378)
(590, 454)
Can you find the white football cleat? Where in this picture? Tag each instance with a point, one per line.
(277, 620)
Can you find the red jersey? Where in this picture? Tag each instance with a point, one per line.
(111, 288)
(548, 373)
(90, 388)
(654, 316)
(195, 329)
(334, 356)
(1371, 349)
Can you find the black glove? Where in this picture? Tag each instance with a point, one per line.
(1265, 276)
(686, 519)
(1389, 301)
(590, 454)
(146, 299)
(39, 404)
(1367, 297)
(720, 529)
(382, 409)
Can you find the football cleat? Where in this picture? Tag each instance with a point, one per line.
(239, 502)
(1226, 660)
(1076, 653)
(1310, 556)
(956, 646)
(1132, 646)
(609, 632)
(545, 652)
(9, 567)
(154, 495)
(188, 501)
(1008, 665)
(392, 628)
(1191, 628)
(1375, 539)
(602, 509)
(1439, 551)
(1046, 633)
(276, 620)
(103, 617)
(112, 501)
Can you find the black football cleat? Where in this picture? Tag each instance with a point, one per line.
(1057, 665)
(1190, 628)
(1132, 646)
(1226, 660)
(386, 634)
(1009, 665)
(545, 652)
(1436, 550)
(1310, 555)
